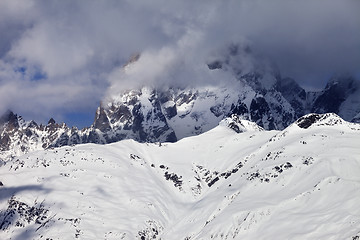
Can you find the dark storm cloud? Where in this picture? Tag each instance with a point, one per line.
(308, 39)
(61, 56)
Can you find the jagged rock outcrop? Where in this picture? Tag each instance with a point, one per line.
(326, 119)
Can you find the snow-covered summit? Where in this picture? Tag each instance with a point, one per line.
(327, 119)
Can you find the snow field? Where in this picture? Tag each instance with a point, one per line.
(294, 184)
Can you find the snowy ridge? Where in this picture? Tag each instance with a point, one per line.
(327, 119)
(299, 183)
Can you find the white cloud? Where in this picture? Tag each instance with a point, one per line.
(76, 45)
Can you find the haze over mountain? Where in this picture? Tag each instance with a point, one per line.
(59, 58)
(254, 92)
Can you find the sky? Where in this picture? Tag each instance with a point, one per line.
(60, 59)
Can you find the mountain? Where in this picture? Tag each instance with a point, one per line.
(341, 95)
(236, 181)
(256, 92)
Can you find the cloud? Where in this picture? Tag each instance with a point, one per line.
(61, 56)
(307, 40)
(42, 99)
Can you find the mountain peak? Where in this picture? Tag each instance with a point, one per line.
(51, 121)
(10, 119)
(7, 116)
(101, 120)
(313, 119)
(240, 125)
(307, 120)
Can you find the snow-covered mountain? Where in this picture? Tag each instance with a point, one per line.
(341, 95)
(255, 92)
(236, 181)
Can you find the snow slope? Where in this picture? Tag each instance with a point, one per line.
(299, 183)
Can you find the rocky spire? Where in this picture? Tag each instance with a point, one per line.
(101, 120)
(10, 119)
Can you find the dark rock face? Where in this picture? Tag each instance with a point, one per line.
(234, 127)
(138, 118)
(215, 65)
(217, 110)
(5, 142)
(101, 120)
(259, 109)
(326, 119)
(334, 94)
(8, 126)
(293, 93)
(239, 109)
(170, 111)
(356, 119)
(329, 101)
(10, 119)
(51, 121)
(122, 114)
(307, 121)
(92, 137)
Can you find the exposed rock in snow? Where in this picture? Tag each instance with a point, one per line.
(240, 125)
(314, 119)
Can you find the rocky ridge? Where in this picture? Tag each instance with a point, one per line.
(259, 94)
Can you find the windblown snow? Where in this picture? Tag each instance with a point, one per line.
(235, 181)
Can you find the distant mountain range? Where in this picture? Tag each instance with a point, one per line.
(169, 114)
